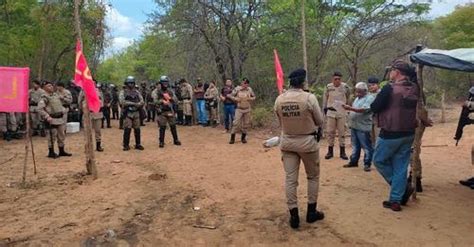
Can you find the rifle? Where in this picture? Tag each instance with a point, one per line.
(464, 118)
(463, 121)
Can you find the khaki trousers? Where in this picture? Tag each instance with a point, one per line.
(35, 120)
(132, 120)
(334, 124)
(291, 164)
(56, 133)
(8, 122)
(415, 159)
(187, 107)
(241, 121)
(97, 125)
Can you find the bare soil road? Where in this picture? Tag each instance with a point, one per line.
(210, 193)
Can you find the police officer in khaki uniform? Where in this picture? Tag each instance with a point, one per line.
(9, 126)
(34, 96)
(243, 95)
(66, 99)
(131, 101)
(52, 111)
(164, 99)
(212, 99)
(300, 116)
(336, 94)
(187, 96)
(96, 117)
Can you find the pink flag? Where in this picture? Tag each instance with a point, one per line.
(83, 79)
(279, 72)
(14, 89)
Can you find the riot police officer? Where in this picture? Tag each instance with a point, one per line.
(300, 116)
(164, 99)
(51, 108)
(131, 100)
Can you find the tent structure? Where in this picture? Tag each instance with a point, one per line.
(458, 59)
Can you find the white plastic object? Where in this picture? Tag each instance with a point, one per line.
(72, 127)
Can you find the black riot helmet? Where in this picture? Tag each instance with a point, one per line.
(164, 82)
(130, 81)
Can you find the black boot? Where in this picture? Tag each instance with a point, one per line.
(6, 136)
(342, 152)
(63, 153)
(162, 137)
(419, 187)
(294, 218)
(313, 215)
(138, 138)
(330, 153)
(232, 139)
(98, 147)
(52, 154)
(174, 132)
(126, 139)
(42, 133)
(242, 138)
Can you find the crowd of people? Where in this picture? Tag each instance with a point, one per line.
(53, 105)
(384, 118)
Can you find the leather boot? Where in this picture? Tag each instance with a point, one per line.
(313, 215)
(294, 218)
(342, 152)
(98, 147)
(330, 153)
(52, 154)
(162, 137)
(242, 138)
(232, 139)
(138, 138)
(63, 153)
(126, 139)
(174, 132)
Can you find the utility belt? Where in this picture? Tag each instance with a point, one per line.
(33, 104)
(66, 106)
(56, 115)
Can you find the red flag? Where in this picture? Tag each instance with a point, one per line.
(83, 79)
(14, 89)
(279, 72)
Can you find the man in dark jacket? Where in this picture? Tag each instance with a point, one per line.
(395, 109)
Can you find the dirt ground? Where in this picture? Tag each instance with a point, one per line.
(209, 193)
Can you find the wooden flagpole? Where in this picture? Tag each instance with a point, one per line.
(27, 146)
(89, 150)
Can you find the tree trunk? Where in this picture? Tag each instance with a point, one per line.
(303, 37)
(443, 107)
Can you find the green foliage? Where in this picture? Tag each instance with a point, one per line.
(262, 115)
(359, 38)
(41, 35)
(457, 29)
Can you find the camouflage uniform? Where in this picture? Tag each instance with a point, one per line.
(52, 110)
(131, 100)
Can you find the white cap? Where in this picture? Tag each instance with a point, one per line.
(362, 85)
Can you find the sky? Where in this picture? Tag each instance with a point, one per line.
(126, 18)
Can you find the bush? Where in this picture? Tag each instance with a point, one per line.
(262, 116)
